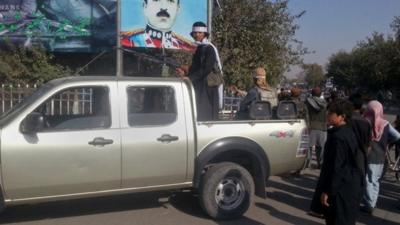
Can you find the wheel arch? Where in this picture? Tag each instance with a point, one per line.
(242, 151)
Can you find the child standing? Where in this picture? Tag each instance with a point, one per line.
(341, 178)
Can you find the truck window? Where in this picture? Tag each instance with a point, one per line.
(151, 105)
(77, 108)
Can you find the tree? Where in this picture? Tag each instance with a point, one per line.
(314, 74)
(395, 25)
(375, 58)
(340, 67)
(19, 64)
(395, 78)
(252, 33)
(373, 64)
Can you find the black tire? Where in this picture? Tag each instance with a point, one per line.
(226, 191)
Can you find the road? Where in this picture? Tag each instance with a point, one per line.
(287, 203)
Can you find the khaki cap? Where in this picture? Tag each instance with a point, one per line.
(295, 92)
(259, 72)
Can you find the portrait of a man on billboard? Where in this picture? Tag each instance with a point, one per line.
(160, 23)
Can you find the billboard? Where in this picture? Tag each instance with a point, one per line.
(60, 25)
(160, 23)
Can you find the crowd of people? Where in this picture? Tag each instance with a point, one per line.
(350, 140)
(352, 160)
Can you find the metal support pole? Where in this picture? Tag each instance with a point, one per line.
(164, 67)
(209, 17)
(119, 51)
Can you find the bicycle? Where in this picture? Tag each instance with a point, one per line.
(392, 164)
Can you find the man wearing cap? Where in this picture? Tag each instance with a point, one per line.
(261, 91)
(301, 106)
(317, 123)
(203, 61)
(160, 16)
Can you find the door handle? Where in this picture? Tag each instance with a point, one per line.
(167, 138)
(99, 141)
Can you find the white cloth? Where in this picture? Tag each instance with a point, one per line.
(205, 41)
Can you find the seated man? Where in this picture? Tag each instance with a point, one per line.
(261, 91)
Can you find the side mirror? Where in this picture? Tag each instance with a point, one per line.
(32, 123)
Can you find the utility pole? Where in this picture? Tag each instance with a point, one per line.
(209, 17)
(119, 52)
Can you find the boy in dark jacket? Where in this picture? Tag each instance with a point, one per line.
(341, 179)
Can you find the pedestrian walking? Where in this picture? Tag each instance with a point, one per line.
(376, 154)
(340, 183)
(301, 106)
(397, 147)
(317, 124)
(361, 126)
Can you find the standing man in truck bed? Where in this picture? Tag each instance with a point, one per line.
(203, 61)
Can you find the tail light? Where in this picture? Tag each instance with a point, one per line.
(303, 143)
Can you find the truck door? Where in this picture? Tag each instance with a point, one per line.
(154, 141)
(77, 150)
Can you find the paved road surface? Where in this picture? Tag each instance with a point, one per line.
(287, 203)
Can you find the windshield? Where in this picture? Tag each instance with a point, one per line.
(8, 115)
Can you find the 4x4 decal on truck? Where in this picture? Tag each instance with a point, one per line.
(282, 134)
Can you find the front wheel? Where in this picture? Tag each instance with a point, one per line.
(226, 191)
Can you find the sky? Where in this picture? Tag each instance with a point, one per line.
(132, 16)
(332, 25)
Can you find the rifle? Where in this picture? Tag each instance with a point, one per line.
(162, 60)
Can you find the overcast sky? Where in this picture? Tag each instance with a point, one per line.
(332, 25)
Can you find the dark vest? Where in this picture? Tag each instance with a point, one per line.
(378, 148)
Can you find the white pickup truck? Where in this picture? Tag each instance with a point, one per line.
(93, 136)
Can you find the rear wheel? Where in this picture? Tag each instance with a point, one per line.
(226, 191)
